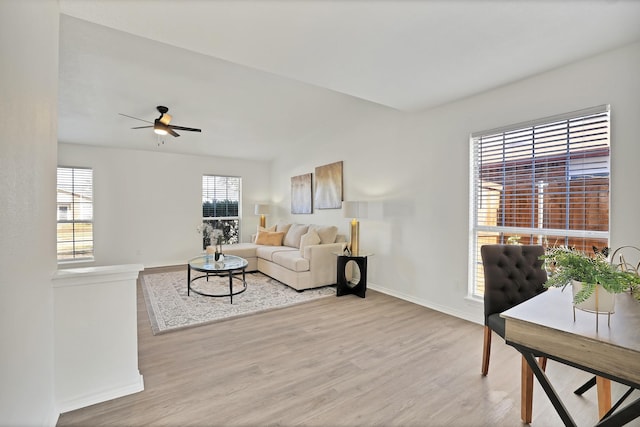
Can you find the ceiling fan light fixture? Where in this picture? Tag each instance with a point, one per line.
(160, 128)
(161, 125)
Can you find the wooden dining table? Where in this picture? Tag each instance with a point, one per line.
(544, 326)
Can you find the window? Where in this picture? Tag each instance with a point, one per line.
(75, 214)
(220, 206)
(543, 182)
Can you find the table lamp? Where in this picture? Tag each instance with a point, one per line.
(262, 210)
(354, 210)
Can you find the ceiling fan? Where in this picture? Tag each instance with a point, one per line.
(161, 125)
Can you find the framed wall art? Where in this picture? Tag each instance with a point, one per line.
(301, 199)
(328, 193)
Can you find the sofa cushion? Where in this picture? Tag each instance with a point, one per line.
(291, 260)
(292, 238)
(327, 233)
(270, 238)
(266, 252)
(309, 238)
(243, 250)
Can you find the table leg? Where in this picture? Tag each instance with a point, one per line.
(603, 386)
(547, 387)
(624, 416)
(231, 287)
(621, 417)
(188, 279)
(526, 392)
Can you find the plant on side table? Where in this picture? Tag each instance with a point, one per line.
(594, 280)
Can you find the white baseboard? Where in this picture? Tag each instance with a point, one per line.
(442, 309)
(91, 399)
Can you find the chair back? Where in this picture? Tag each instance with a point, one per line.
(512, 274)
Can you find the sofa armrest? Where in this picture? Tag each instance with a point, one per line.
(322, 262)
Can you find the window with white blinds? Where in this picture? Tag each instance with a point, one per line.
(544, 182)
(221, 206)
(75, 214)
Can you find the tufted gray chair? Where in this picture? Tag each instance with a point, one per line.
(512, 274)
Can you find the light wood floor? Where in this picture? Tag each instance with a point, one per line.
(344, 361)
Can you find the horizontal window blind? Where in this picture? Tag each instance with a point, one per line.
(221, 206)
(220, 196)
(75, 213)
(543, 182)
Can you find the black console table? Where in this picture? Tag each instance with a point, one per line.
(357, 283)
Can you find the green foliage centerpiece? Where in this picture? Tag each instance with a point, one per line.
(566, 264)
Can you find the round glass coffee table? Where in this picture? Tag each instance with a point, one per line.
(231, 265)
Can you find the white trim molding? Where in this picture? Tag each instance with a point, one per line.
(96, 335)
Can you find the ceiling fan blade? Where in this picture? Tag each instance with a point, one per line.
(161, 125)
(131, 117)
(184, 128)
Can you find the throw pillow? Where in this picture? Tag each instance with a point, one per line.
(272, 228)
(327, 233)
(292, 238)
(269, 238)
(283, 227)
(310, 238)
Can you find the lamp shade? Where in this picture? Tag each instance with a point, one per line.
(262, 209)
(160, 130)
(354, 209)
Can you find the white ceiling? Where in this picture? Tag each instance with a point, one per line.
(258, 75)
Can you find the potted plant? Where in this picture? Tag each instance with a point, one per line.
(591, 276)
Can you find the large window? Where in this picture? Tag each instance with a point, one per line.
(75, 214)
(221, 206)
(544, 182)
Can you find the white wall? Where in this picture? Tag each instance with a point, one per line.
(147, 204)
(28, 117)
(416, 167)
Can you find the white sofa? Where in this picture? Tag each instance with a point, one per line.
(301, 256)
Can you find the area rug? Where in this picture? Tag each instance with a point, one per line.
(171, 309)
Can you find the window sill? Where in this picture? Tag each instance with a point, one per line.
(76, 261)
(474, 299)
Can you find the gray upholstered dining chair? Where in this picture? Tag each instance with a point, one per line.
(512, 274)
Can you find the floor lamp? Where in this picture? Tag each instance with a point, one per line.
(262, 210)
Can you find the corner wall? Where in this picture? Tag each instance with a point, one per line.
(415, 167)
(28, 120)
